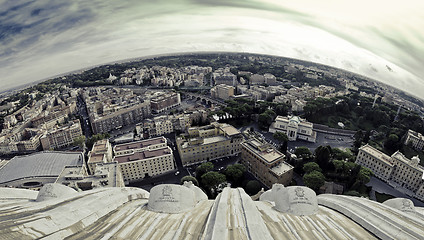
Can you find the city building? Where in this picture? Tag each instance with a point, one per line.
(120, 118)
(140, 159)
(257, 79)
(294, 127)
(57, 114)
(37, 169)
(105, 175)
(214, 141)
(270, 79)
(164, 101)
(224, 76)
(31, 143)
(380, 163)
(61, 136)
(414, 138)
(181, 122)
(159, 125)
(111, 108)
(265, 163)
(100, 153)
(139, 146)
(267, 78)
(397, 170)
(222, 91)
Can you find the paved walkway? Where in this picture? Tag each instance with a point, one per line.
(382, 187)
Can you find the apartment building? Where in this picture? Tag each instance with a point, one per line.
(62, 136)
(164, 101)
(265, 163)
(397, 170)
(139, 146)
(224, 76)
(122, 117)
(214, 141)
(140, 159)
(222, 91)
(181, 122)
(294, 127)
(100, 153)
(159, 125)
(50, 118)
(414, 138)
(380, 163)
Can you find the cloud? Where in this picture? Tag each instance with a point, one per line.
(42, 38)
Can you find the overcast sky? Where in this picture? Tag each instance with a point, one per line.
(380, 39)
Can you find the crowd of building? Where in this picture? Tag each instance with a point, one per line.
(45, 124)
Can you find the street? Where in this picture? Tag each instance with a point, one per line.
(85, 124)
(323, 139)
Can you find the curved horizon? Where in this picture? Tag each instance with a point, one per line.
(380, 40)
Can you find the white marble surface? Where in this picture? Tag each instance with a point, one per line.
(123, 213)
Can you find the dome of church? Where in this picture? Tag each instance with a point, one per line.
(128, 213)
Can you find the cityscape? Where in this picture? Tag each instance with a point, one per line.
(216, 127)
(211, 120)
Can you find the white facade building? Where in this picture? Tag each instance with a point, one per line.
(140, 159)
(294, 127)
(415, 138)
(397, 170)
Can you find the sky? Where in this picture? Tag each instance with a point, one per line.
(383, 40)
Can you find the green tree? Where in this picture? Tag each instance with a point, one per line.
(235, 172)
(310, 167)
(303, 152)
(314, 180)
(282, 139)
(339, 154)
(364, 175)
(348, 167)
(95, 138)
(211, 180)
(204, 168)
(79, 141)
(322, 156)
(392, 143)
(280, 136)
(252, 187)
(264, 120)
(338, 165)
(189, 179)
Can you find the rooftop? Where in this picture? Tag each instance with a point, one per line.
(263, 150)
(140, 144)
(100, 146)
(42, 164)
(104, 176)
(281, 168)
(136, 156)
(374, 152)
(96, 158)
(116, 213)
(230, 130)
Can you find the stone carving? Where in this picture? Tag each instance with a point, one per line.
(296, 200)
(54, 190)
(402, 204)
(171, 198)
(166, 195)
